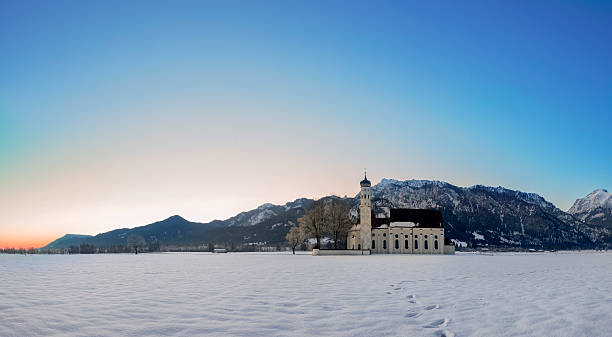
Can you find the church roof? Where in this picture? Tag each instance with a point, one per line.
(423, 218)
(365, 182)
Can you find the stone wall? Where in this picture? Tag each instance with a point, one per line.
(330, 252)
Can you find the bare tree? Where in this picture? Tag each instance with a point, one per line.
(295, 237)
(313, 223)
(337, 219)
(135, 241)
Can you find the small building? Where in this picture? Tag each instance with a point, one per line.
(403, 231)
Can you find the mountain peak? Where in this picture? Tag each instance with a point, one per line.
(266, 206)
(176, 217)
(598, 198)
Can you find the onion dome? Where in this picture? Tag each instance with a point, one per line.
(365, 182)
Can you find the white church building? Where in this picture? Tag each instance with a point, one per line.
(403, 231)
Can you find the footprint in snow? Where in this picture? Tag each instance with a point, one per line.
(437, 323)
(412, 315)
(431, 307)
(444, 333)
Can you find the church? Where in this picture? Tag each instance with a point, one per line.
(402, 231)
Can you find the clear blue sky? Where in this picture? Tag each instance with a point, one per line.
(120, 113)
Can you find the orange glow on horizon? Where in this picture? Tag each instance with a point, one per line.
(7, 241)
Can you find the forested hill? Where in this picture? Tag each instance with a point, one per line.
(477, 215)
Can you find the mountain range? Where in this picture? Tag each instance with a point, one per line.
(476, 216)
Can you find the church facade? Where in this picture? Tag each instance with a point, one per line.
(403, 231)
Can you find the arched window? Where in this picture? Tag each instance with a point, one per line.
(384, 244)
(416, 244)
(406, 244)
(436, 245)
(374, 244)
(426, 244)
(396, 235)
(396, 244)
(385, 234)
(359, 247)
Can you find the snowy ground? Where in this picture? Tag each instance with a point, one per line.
(555, 294)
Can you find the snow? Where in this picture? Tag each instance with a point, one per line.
(402, 224)
(459, 243)
(598, 198)
(261, 216)
(239, 294)
(512, 242)
(478, 236)
(281, 224)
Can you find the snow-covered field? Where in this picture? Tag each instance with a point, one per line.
(554, 294)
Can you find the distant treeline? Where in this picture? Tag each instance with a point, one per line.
(149, 248)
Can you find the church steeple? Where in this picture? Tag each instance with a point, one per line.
(365, 182)
(365, 213)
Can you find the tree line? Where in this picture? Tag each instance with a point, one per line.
(327, 216)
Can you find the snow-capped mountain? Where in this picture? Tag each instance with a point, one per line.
(595, 208)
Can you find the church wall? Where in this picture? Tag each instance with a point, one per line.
(353, 240)
(380, 236)
(421, 235)
(417, 241)
(405, 238)
(376, 237)
(440, 233)
(395, 235)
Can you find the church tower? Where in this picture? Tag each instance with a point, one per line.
(365, 214)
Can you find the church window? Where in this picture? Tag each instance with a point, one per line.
(426, 244)
(406, 244)
(416, 244)
(406, 236)
(384, 234)
(359, 247)
(373, 234)
(426, 236)
(396, 244)
(435, 236)
(436, 245)
(384, 244)
(374, 244)
(396, 235)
